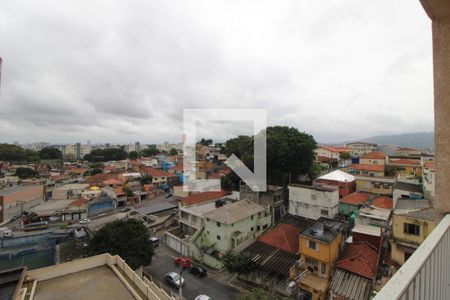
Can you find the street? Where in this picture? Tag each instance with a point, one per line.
(163, 263)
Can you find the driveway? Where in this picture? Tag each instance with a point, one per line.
(163, 263)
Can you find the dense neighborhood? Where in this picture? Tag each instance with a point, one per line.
(339, 230)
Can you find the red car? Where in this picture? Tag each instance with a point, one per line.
(183, 262)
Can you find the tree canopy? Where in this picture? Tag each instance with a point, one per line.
(239, 263)
(173, 151)
(50, 153)
(150, 151)
(290, 153)
(206, 142)
(24, 173)
(10, 152)
(129, 239)
(133, 155)
(100, 155)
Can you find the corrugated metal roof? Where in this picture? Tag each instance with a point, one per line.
(350, 286)
(423, 214)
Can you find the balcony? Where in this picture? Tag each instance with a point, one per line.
(426, 274)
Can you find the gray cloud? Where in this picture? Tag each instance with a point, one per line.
(122, 72)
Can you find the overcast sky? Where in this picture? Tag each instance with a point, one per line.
(122, 71)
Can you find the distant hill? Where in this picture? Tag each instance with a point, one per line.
(420, 140)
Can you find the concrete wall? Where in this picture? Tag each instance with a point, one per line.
(25, 194)
(309, 202)
(439, 12)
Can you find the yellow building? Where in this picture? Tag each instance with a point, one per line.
(397, 167)
(412, 222)
(375, 185)
(319, 247)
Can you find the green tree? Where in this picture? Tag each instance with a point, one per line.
(129, 239)
(102, 155)
(24, 173)
(128, 191)
(290, 153)
(146, 179)
(206, 142)
(133, 155)
(150, 151)
(173, 151)
(50, 153)
(237, 263)
(345, 156)
(96, 165)
(95, 171)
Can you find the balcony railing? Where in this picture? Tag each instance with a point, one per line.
(426, 274)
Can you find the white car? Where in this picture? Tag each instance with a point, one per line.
(85, 221)
(202, 297)
(174, 279)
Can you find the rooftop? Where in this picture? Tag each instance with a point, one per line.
(72, 186)
(376, 179)
(202, 197)
(359, 258)
(323, 229)
(283, 236)
(375, 213)
(355, 198)
(338, 175)
(410, 187)
(367, 229)
(398, 162)
(382, 202)
(16, 188)
(374, 155)
(231, 213)
(336, 149)
(98, 283)
(315, 187)
(363, 167)
(350, 286)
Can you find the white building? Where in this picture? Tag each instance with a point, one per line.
(360, 148)
(313, 202)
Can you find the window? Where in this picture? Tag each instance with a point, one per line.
(218, 224)
(251, 229)
(252, 217)
(207, 231)
(218, 237)
(264, 227)
(258, 228)
(259, 215)
(312, 245)
(411, 229)
(313, 265)
(323, 269)
(324, 212)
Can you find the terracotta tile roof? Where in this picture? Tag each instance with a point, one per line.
(284, 237)
(429, 165)
(102, 177)
(374, 155)
(361, 167)
(112, 181)
(155, 172)
(323, 159)
(405, 162)
(336, 149)
(77, 170)
(383, 202)
(78, 203)
(355, 198)
(178, 167)
(135, 162)
(202, 197)
(119, 192)
(148, 187)
(360, 258)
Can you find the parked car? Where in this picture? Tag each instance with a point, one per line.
(198, 271)
(85, 221)
(174, 279)
(202, 297)
(183, 262)
(154, 241)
